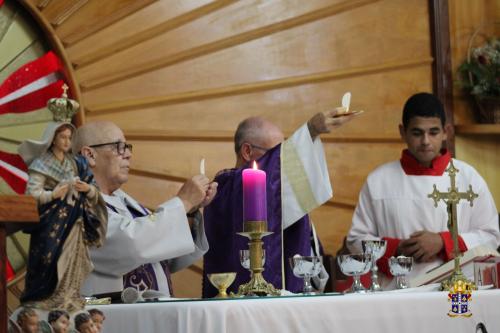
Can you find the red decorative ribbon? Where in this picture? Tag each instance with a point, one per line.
(39, 78)
(15, 181)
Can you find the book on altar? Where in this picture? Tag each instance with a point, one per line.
(440, 273)
(487, 272)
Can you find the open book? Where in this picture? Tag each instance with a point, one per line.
(443, 271)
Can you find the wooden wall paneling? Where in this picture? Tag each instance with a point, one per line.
(295, 57)
(181, 160)
(55, 8)
(350, 163)
(77, 19)
(62, 10)
(179, 84)
(41, 4)
(153, 20)
(482, 152)
(239, 89)
(235, 25)
(150, 191)
(380, 95)
(332, 225)
(187, 282)
(55, 44)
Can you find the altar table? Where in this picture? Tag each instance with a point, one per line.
(401, 312)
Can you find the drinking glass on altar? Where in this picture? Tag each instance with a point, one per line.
(245, 258)
(400, 266)
(306, 267)
(355, 265)
(377, 249)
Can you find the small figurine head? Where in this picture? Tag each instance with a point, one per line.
(27, 319)
(98, 318)
(84, 323)
(59, 320)
(62, 138)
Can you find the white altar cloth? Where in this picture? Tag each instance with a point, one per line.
(398, 312)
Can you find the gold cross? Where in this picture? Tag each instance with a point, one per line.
(452, 198)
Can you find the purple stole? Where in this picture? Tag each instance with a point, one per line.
(143, 277)
(223, 218)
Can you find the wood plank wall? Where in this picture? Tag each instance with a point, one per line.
(179, 75)
(479, 149)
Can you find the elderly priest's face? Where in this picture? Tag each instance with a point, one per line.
(424, 137)
(112, 162)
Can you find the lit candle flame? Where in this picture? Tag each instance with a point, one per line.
(255, 165)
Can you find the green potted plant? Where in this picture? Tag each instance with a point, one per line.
(480, 76)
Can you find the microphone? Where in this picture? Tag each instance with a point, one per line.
(131, 295)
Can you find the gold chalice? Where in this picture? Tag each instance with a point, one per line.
(222, 281)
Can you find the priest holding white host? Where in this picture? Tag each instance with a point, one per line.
(297, 181)
(141, 248)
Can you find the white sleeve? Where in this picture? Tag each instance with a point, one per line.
(305, 183)
(484, 220)
(35, 188)
(153, 238)
(363, 221)
(200, 243)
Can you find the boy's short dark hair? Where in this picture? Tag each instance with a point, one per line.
(96, 311)
(56, 314)
(25, 313)
(423, 105)
(80, 319)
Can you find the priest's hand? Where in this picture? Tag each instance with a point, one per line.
(423, 246)
(324, 122)
(210, 195)
(193, 192)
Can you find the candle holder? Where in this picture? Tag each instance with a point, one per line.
(257, 286)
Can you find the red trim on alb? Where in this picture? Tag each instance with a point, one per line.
(447, 253)
(412, 167)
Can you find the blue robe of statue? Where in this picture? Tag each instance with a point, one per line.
(57, 218)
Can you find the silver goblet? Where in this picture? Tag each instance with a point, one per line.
(245, 258)
(377, 249)
(306, 267)
(399, 267)
(355, 265)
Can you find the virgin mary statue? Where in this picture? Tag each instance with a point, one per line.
(72, 215)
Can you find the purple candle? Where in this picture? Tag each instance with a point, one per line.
(254, 194)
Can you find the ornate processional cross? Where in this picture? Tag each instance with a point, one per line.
(452, 198)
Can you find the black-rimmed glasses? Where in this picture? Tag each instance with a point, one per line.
(120, 146)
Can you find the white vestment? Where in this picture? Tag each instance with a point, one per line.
(131, 242)
(305, 185)
(394, 204)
